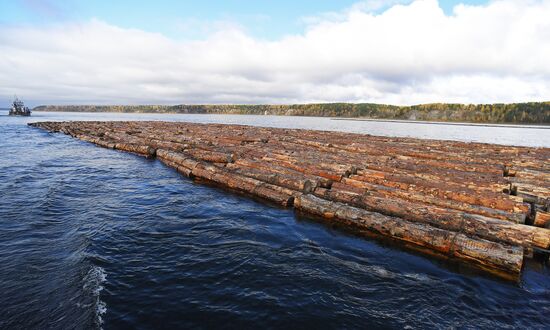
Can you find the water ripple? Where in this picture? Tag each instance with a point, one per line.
(94, 238)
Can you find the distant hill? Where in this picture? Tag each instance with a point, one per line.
(519, 113)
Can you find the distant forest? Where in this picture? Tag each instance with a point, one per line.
(520, 113)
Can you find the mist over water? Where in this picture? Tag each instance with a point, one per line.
(91, 238)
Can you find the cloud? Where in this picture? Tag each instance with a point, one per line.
(407, 54)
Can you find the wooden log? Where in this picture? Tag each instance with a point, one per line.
(499, 258)
(471, 224)
(267, 192)
(496, 201)
(439, 169)
(104, 143)
(523, 173)
(452, 178)
(288, 181)
(142, 150)
(430, 182)
(194, 168)
(178, 160)
(531, 193)
(531, 164)
(211, 156)
(167, 145)
(388, 192)
(182, 170)
(307, 169)
(332, 159)
(542, 219)
(244, 184)
(442, 160)
(262, 165)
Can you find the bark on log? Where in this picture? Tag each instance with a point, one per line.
(262, 165)
(182, 170)
(442, 177)
(430, 182)
(143, 150)
(542, 219)
(244, 184)
(496, 201)
(211, 156)
(388, 192)
(288, 181)
(484, 227)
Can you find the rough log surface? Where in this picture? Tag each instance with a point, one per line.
(487, 205)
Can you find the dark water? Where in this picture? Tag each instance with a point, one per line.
(91, 238)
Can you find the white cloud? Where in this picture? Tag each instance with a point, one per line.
(406, 54)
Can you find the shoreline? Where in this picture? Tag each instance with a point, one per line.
(404, 121)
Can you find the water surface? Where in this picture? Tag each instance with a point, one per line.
(91, 237)
(532, 136)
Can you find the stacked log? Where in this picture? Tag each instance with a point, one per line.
(487, 205)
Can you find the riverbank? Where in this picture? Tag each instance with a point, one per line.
(471, 202)
(515, 113)
(532, 126)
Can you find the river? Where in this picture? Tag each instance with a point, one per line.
(95, 238)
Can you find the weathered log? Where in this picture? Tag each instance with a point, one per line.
(499, 258)
(143, 150)
(262, 165)
(523, 173)
(211, 156)
(430, 182)
(542, 219)
(492, 200)
(177, 158)
(167, 145)
(194, 168)
(472, 224)
(104, 143)
(307, 169)
(440, 177)
(182, 170)
(531, 193)
(244, 184)
(289, 181)
(388, 192)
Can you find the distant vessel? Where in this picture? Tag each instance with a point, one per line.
(18, 108)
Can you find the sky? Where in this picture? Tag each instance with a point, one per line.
(237, 51)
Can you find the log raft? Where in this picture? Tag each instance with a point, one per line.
(482, 204)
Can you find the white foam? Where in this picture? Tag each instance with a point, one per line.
(93, 283)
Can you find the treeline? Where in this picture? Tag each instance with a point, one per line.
(524, 113)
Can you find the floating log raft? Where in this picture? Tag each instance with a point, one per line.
(486, 205)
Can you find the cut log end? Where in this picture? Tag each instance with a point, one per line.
(542, 219)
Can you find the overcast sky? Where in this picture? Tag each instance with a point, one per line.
(171, 52)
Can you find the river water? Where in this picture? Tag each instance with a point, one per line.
(95, 238)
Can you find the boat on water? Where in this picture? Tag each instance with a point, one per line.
(18, 108)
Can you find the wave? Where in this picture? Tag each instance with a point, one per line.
(93, 285)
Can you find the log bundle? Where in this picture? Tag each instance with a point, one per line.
(483, 204)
